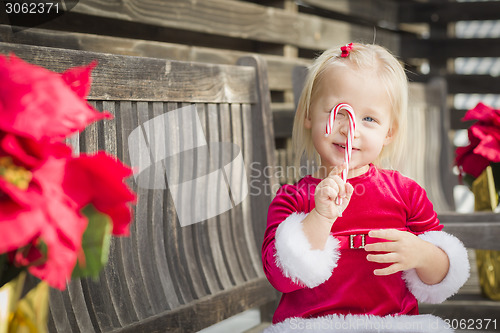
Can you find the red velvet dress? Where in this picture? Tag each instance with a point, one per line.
(382, 199)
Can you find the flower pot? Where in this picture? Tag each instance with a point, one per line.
(488, 261)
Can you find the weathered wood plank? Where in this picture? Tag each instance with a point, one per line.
(227, 18)
(279, 68)
(456, 120)
(483, 217)
(214, 309)
(263, 147)
(283, 123)
(231, 249)
(144, 225)
(477, 230)
(464, 83)
(472, 84)
(215, 224)
(476, 235)
(415, 12)
(234, 175)
(127, 120)
(158, 222)
(172, 233)
(412, 47)
(153, 79)
(378, 11)
(253, 243)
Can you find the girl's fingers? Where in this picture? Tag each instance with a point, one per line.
(389, 234)
(383, 258)
(327, 189)
(381, 247)
(394, 268)
(330, 193)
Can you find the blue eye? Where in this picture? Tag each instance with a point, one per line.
(369, 119)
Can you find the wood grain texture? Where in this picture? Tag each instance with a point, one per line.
(157, 80)
(412, 47)
(476, 234)
(451, 11)
(227, 18)
(214, 309)
(370, 10)
(164, 274)
(279, 68)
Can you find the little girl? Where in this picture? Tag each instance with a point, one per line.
(357, 256)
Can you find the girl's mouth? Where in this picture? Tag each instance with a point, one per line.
(343, 146)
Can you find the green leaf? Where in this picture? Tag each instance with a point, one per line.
(95, 244)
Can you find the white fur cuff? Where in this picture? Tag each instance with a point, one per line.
(458, 272)
(295, 257)
(363, 323)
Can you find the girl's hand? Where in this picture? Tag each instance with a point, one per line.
(404, 251)
(327, 192)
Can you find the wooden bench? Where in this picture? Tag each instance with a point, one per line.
(168, 277)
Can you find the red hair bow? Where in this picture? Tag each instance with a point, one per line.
(345, 50)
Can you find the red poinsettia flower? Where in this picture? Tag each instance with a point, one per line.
(484, 141)
(98, 180)
(38, 103)
(43, 187)
(39, 210)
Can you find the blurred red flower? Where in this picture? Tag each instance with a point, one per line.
(38, 103)
(43, 187)
(484, 141)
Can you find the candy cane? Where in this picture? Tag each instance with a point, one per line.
(350, 135)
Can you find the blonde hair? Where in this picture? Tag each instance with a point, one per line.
(362, 56)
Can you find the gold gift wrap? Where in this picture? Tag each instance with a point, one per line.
(488, 261)
(27, 314)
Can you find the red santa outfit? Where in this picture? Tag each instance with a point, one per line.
(337, 283)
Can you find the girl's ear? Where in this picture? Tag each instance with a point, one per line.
(307, 121)
(390, 136)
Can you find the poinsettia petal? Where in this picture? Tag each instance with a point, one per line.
(30, 92)
(482, 131)
(79, 79)
(474, 164)
(480, 112)
(30, 153)
(489, 148)
(108, 192)
(121, 215)
(61, 259)
(63, 212)
(18, 225)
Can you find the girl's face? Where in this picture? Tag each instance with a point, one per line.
(365, 92)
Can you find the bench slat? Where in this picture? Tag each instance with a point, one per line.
(151, 79)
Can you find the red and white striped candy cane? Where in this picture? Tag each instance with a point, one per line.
(350, 135)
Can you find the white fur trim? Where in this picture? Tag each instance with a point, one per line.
(363, 323)
(457, 275)
(295, 257)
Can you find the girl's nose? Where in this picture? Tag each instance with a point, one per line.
(344, 128)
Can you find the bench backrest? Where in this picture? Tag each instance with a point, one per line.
(170, 121)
